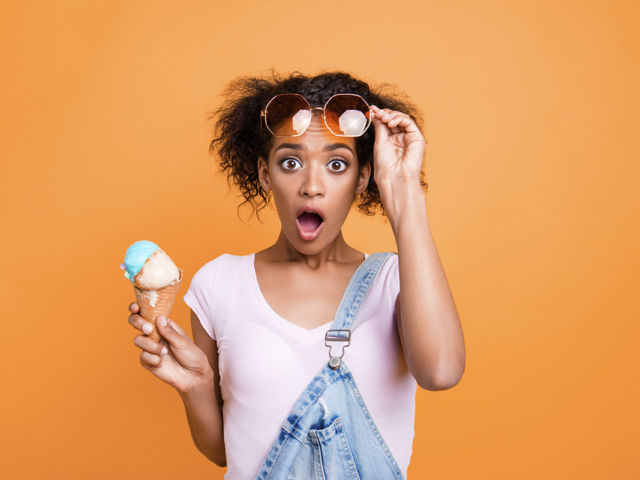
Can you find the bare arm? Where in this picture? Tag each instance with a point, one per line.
(203, 402)
(428, 323)
(426, 315)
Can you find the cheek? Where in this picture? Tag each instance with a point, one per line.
(350, 184)
(286, 184)
(283, 194)
(344, 194)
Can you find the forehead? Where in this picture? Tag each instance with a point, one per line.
(316, 138)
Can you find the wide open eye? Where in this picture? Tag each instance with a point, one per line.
(289, 163)
(338, 165)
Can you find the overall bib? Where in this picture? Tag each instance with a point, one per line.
(329, 433)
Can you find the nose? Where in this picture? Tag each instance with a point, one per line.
(312, 183)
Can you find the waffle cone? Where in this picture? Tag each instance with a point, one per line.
(154, 303)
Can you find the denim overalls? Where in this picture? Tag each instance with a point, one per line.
(329, 433)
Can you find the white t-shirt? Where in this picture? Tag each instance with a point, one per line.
(265, 361)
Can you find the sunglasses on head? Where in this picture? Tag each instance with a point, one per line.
(289, 115)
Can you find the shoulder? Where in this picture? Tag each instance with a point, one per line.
(207, 273)
(210, 269)
(390, 266)
(222, 274)
(389, 276)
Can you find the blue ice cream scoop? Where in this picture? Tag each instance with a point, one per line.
(136, 255)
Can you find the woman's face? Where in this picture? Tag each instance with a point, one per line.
(315, 170)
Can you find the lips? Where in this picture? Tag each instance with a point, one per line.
(309, 222)
(310, 208)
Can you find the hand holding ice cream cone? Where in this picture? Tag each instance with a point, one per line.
(177, 360)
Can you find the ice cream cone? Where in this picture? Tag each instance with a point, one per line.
(154, 303)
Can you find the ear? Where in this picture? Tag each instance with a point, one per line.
(263, 174)
(363, 178)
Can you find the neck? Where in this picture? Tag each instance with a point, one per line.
(336, 251)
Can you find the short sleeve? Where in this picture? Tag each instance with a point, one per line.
(393, 279)
(200, 296)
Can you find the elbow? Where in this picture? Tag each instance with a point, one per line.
(443, 380)
(435, 384)
(218, 461)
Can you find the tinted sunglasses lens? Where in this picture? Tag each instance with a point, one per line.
(288, 114)
(347, 115)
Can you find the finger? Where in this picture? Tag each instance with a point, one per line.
(385, 113)
(396, 116)
(382, 115)
(148, 345)
(391, 114)
(377, 108)
(381, 131)
(149, 359)
(134, 307)
(392, 123)
(390, 118)
(140, 323)
(380, 112)
(174, 337)
(176, 327)
(404, 123)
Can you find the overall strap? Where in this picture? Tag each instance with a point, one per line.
(340, 329)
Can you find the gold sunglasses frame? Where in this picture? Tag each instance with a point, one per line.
(263, 114)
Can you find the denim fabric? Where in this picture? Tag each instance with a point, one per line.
(329, 433)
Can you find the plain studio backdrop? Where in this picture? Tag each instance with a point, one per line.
(531, 116)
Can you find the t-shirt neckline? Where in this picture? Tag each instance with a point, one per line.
(276, 318)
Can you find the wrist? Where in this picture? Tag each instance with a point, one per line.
(198, 385)
(401, 197)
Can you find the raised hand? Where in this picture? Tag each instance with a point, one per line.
(399, 147)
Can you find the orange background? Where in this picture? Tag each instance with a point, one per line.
(531, 113)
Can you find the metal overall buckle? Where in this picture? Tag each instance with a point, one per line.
(334, 362)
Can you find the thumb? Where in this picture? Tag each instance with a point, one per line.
(171, 334)
(176, 327)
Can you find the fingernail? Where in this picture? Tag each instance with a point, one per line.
(164, 350)
(163, 321)
(147, 328)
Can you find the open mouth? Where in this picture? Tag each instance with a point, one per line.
(309, 225)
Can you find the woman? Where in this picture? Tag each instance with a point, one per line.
(259, 320)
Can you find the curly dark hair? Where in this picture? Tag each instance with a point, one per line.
(239, 139)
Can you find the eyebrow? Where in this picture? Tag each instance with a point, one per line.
(328, 148)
